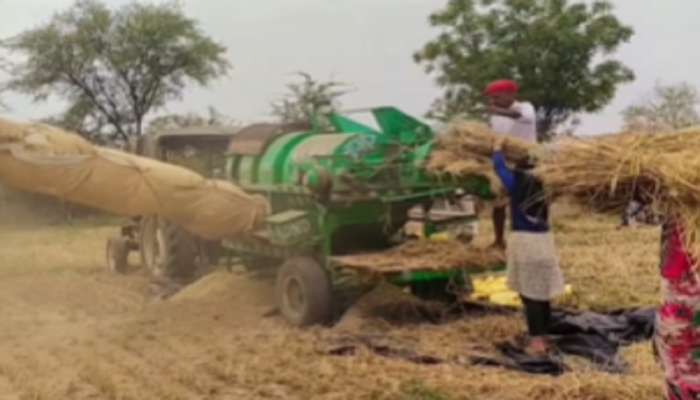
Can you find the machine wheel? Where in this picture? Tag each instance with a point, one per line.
(117, 255)
(167, 251)
(304, 293)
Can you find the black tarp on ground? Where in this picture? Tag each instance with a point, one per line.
(594, 336)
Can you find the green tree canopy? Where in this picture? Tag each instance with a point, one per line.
(114, 66)
(558, 52)
(308, 98)
(669, 107)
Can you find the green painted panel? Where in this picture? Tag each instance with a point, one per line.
(272, 163)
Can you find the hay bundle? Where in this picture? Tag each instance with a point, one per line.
(465, 150)
(468, 140)
(605, 172)
(602, 172)
(447, 163)
(425, 255)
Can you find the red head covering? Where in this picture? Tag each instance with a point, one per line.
(501, 86)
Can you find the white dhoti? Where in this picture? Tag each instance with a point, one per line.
(533, 265)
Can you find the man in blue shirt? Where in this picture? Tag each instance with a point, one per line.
(533, 265)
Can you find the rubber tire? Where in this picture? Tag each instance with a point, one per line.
(179, 249)
(315, 288)
(117, 254)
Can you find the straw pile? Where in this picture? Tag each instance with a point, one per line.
(425, 255)
(604, 172)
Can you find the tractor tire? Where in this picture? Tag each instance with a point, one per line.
(117, 255)
(167, 251)
(304, 293)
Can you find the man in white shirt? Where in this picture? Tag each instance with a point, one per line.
(509, 116)
(512, 118)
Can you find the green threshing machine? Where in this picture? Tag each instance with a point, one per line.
(337, 187)
(334, 194)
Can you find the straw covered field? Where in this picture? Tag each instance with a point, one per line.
(70, 330)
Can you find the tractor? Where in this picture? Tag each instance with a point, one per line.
(336, 186)
(166, 250)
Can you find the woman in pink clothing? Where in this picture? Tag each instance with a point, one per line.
(677, 337)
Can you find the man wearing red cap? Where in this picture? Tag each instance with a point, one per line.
(512, 118)
(509, 116)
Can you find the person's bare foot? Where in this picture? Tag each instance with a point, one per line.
(537, 347)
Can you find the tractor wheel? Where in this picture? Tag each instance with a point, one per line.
(167, 251)
(304, 293)
(117, 255)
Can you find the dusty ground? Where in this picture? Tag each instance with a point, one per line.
(70, 330)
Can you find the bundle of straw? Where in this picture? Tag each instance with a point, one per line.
(474, 140)
(604, 172)
(465, 150)
(447, 163)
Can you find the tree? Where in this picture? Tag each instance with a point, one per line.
(670, 107)
(557, 52)
(174, 121)
(5, 68)
(307, 99)
(114, 66)
(81, 117)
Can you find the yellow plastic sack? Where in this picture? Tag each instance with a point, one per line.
(494, 289)
(440, 237)
(42, 159)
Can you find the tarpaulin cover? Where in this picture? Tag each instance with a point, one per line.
(42, 159)
(594, 336)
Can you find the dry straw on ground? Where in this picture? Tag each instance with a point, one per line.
(605, 172)
(426, 255)
(72, 331)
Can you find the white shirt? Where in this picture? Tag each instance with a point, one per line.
(524, 128)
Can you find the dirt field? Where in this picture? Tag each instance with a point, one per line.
(70, 330)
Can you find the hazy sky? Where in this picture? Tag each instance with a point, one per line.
(369, 43)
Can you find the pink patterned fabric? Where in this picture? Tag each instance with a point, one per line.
(678, 320)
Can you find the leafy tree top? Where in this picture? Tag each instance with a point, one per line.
(114, 66)
(557, 50)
